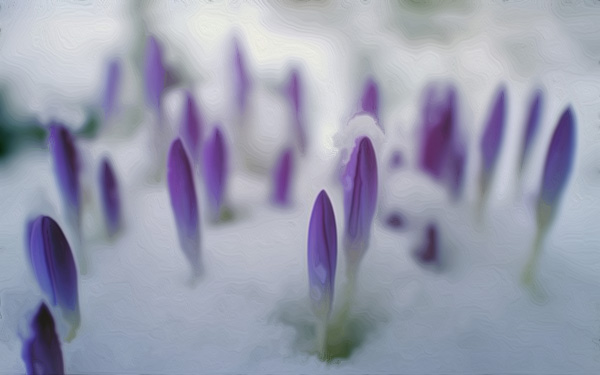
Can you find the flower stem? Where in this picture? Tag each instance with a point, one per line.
(529, 273)
(322, 339)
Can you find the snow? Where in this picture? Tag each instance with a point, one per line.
(250, 312)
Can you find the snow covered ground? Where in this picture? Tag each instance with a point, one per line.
(250, 313)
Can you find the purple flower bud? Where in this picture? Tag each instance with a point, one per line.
(492, 138)
(109, 197)
(428, 253)
(154, 73)
(111, 90)
(215, 170)
(438, 131)
(191, 128)
(557, 169)
(54, 267)
(183, 200)
(282, 174)
(533, 119)
(241, 79)
(66, 165)
(396, 160)
(395, 220)
(360, 197)
(369, 102)
(41, 351)
(294, 93)
(322, 255)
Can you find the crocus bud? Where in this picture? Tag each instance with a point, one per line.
(41, 351)
(395, 220)
(109, 197)
(559, 161)
(438, 129)
(111, 89)
(66, 166)
(241, 77)
(215, 171)
(428, 253)
(396, 160)
(282, 174)
(54, 267)
(322, 255)
(294, 94)
(369, 102)
(492, 140)
(533, 119)
(191, 128)
(360, 198)
(184, 203)
(154, 73)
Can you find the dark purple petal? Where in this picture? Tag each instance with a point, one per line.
(428, 253)
(154, 73)
(395, 220)
(322, 254)
(41, 351)
(533, 119)
(282, 175)
(438, 131)
(396, 160)
(493, 133)
(184, 203)
(369, 102)
(54, 267)
(294, 93)
(360, 194)
(215, 170)
(559, 162)
(111, 89)
(109, 197)
(191, 128)
(241, 78)
(66, 164)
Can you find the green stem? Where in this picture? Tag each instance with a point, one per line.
(322, 339)
(529, 272)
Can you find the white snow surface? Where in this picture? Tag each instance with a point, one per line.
(250, 312)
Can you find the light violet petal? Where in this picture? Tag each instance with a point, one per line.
(282, 175)
(322, 254)
(370, 99)
(438, 130)
(428, 252)
(53, 264)
(109, 197)
(559, 160)
(396, 160)
(294, 93)
(192, 127)
(111, 89)
(66, 164)
(154, 73)
(182, 193)
(215, 169)
(241, 77)
(491, 140)
(41, 351)
(360, 192)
